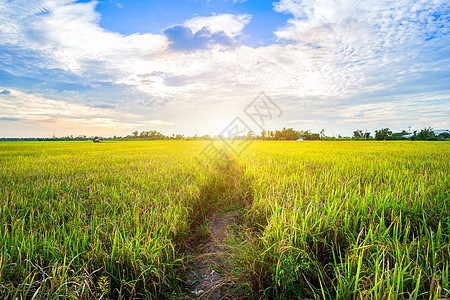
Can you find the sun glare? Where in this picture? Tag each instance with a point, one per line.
(220, 122)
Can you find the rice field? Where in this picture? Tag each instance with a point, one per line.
(319, 220)
(351, 220)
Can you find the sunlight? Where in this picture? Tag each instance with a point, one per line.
(219, 121)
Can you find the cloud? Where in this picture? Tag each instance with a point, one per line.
(65, 35)
(370, 45)
(5, 92)
(363, 27)
(234, 1)
(9, 119)
(232, 25)
(174, 81)
(182, 38)
(104, 105)
(40, 113)
(158, 122)
(333, 59)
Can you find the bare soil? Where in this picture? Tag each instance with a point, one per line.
(210, 277)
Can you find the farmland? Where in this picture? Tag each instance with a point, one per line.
(345, 220)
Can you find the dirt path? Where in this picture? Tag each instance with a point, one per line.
(226, 196)
(209, 277)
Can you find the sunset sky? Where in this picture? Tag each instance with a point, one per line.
(191, 66)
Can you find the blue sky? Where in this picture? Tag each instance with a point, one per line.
(128, 17)
(111, 67)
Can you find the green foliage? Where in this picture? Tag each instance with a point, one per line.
(206, 137)
(426, 134)
(322, 134)
(291, 272)
(290, 134)
(152, 135)
(103, 286)
(444, 135)
(204, 229)
(383, 134)
(357, 134)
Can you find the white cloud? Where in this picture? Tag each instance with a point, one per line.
(231, 24)
(39, 112)
(70, 34)
(22, 105)
(341, 55)
(371, 25)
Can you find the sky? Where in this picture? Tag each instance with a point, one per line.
(111, 67)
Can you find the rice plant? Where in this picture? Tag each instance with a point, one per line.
(349, 220)
(84, 220)
(323, 220)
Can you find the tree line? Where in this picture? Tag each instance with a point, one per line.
(288, 134)
(426, 134)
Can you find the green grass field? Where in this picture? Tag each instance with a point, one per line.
(323, 220)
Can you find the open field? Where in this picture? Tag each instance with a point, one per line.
(344, 220)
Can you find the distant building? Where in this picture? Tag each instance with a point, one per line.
(407, 136)
(300, 139)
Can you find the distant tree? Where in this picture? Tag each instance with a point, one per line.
(322, 133)
(367, 135)
(314, 136)
(279, 135)
(290, 134)
(135, 133)
(426, 134)
(358, 134)
(444, 135)
(263, 135)
(383, 134)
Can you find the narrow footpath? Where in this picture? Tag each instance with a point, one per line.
(210, 276)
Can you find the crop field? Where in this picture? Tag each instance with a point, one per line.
(284, 220)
